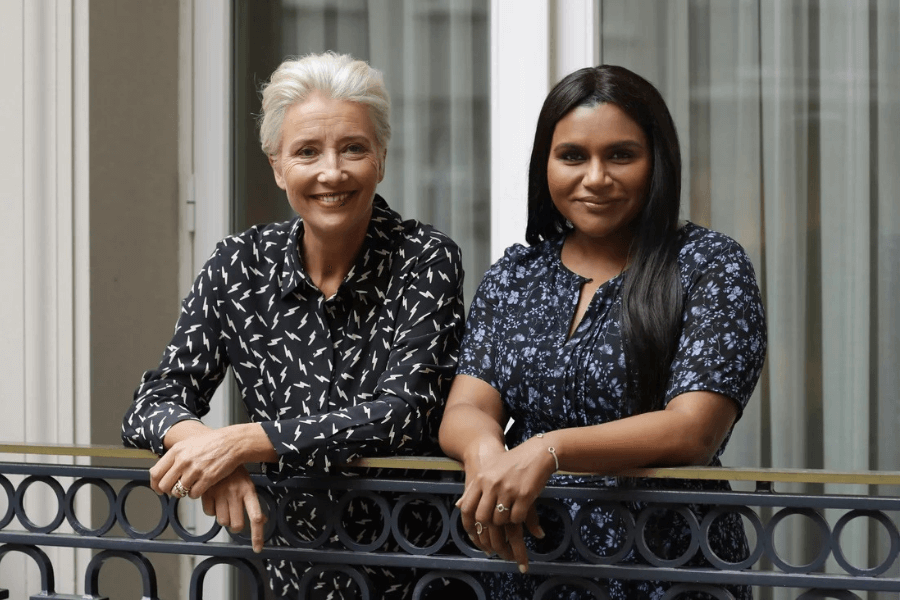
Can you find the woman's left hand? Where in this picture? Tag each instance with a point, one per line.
(500, 496)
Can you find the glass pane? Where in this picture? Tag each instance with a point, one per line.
(434, 56)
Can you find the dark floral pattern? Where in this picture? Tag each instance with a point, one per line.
(517, 341)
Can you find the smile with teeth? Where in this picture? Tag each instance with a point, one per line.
(333, 198)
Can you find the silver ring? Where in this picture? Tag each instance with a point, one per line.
(478, 528)
(501, 508)
(179, 491)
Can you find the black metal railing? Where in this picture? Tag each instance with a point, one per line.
(448, 553)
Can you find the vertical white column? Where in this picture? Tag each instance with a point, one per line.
(211, 146)
(520, 77)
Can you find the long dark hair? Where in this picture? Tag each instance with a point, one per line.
(651, 295)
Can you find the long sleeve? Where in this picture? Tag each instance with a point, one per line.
(191, 368)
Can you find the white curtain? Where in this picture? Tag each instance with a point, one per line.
(789, 116)
(434, 56)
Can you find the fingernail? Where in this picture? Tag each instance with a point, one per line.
(523, 569)
(540, 533)
(488, 554)
(457, 503)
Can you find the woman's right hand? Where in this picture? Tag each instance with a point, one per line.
(513, 479)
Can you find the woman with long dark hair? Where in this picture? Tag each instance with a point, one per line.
(619, 338)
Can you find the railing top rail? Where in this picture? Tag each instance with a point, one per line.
(434, 463)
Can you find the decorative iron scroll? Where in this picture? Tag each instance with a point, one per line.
(448, 555)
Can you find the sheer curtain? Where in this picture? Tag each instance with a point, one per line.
(789, 115)
(434, 56)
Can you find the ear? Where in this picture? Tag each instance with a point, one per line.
(381, 165)
(275, 162)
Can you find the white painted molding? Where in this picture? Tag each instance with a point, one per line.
(520, 75)
(575, 40)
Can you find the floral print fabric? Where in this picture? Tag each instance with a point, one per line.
(517, 340)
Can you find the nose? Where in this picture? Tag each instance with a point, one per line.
(331, 171)
(597, 175)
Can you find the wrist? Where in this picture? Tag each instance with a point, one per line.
(482, 451)
(550, 457)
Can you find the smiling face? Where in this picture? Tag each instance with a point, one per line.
(329, 163)
(599, 172)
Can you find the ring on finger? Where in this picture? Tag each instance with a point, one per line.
(179, 491)
(478, 528)
(501, 508)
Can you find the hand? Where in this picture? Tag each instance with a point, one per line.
(227, 500)
(198, 461)
(513, 479)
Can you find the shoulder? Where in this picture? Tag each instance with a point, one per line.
(411, 239)
(703, 250)
(520, 267)
(259, 241)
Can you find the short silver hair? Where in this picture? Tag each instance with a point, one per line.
(340, 76)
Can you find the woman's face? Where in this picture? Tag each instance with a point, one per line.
(599, 171)
(329, 164)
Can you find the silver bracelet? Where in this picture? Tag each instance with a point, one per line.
(552, 451)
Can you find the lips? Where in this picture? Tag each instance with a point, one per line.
(333, 198)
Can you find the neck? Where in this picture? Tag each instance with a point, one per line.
(328, 260)
(597, 259)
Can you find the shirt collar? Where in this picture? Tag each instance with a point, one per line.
(368, 278)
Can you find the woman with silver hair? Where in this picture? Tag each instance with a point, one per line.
(341, 326)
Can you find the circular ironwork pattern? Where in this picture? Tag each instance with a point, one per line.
(265, 500)
(816, 518)
(69, 506)
(287, 530)
(401, 539)
(562, 511)
(123, 517)
(365, 587)
(181, 531)
(462, 576)
(585, 513)
(20, 504)
(541, 593)
(691, 588)
(641, 542)
(341, 531)
(714, 513)
(892, 535)
(10, 501)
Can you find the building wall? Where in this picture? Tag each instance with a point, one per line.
(134, 215)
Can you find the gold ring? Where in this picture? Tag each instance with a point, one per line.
(478, 528)
(501, 508)
(179, 491)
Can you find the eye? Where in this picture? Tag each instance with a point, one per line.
(356, 148)
(622, 155)
(571, 156)
(306, 152)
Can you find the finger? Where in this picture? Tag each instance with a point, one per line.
(501, 514)
(498, 543)
(257, 520)
(236, 510)
(159, 471)
(514, 534)
(486, 508)
(223, 514)
(533, 523)
(209, 506)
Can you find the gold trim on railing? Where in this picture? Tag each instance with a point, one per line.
(435, 463)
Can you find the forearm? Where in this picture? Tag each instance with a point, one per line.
(247, 441)
(468, 433)
(686, 434)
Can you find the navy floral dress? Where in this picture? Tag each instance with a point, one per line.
(517, 340)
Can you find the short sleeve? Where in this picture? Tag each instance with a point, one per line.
(477, 353)
(723, 340)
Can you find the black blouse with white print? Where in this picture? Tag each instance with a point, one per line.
(362, 373)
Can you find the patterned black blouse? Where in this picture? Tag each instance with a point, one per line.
(517, 340)
(362, 373)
